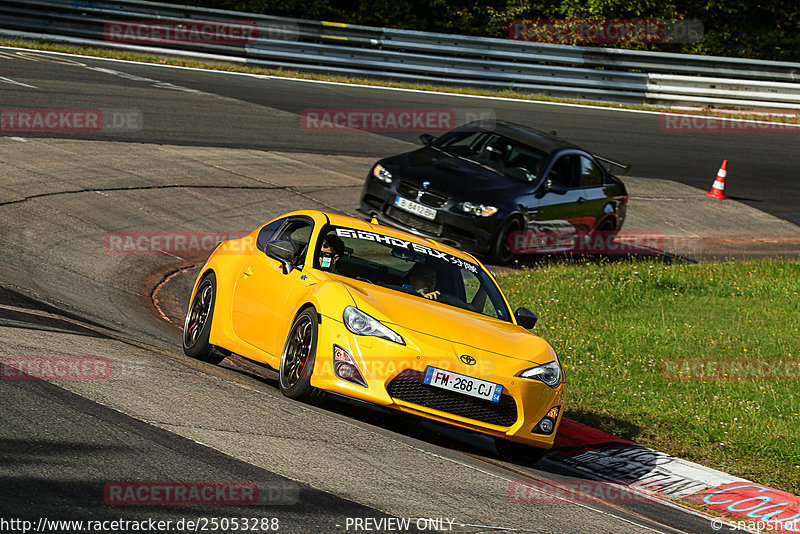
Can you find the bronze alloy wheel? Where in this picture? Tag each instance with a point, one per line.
(197, 327)
(297, 360)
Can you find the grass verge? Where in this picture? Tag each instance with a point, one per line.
(631, 336)
(112, 53)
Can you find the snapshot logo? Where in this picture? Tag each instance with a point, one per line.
(177, 243)
(585, 491)
(326, 120)
(596, 31)
(745, 123)
(739, 369)
(55, 368)
(763, 508)
(70, 120)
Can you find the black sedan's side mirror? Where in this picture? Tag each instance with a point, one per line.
(551, 186)
(426, 139)
(283, 251)
(525, 318)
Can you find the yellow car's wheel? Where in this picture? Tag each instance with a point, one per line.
(197, 327)
(297, 359)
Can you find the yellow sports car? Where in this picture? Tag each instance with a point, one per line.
(336, 304)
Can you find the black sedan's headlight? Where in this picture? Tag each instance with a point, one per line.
(478, 210)
(380, 172)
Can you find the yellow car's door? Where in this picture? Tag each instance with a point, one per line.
(262, 288)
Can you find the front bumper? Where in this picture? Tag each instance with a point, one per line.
(465, 232)
(394, 375)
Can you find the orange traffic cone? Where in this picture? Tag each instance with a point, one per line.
(718, 189)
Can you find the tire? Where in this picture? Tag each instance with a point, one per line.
(197, 326)
(606, 225)
(501, 252)
(298, 357)
(517, 452)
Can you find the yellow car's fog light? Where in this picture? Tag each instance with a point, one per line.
(548, 422)
(344, 366)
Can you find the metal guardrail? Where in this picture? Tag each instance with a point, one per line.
(603, 74)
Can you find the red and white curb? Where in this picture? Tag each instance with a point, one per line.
(603, 456)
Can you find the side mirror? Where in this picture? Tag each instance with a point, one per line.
(552, 186)
(525, 318)
(282, 251)
(426, 139)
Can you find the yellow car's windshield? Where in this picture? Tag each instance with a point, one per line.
(409, 267)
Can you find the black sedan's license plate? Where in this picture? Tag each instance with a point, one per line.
(415, 208)
(467, 385)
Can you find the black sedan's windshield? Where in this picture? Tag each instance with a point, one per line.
(501, 154)
(411, 268)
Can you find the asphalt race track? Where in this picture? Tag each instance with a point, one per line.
(223, 153)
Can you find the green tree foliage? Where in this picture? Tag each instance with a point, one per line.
(768, 29)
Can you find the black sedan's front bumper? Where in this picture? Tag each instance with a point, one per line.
(466, 232)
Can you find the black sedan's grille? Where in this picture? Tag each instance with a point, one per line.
(409, 219)
(410, 386)
(428, 198)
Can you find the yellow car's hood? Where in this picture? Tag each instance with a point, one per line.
(431, 318)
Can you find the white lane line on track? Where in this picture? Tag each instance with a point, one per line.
(14, 82)
(420, 91)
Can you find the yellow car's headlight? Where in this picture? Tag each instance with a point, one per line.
(363, 324)
(549, 373)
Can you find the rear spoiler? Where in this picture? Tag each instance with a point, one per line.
(625, 167)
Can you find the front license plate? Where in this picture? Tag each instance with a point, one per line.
(415, 208)
(463, 384)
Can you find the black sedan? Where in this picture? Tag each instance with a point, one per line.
(482, 185)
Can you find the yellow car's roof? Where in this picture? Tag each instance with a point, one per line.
(360, 224)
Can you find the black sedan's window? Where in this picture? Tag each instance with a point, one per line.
(463, 144)
(591, 174)
(501, 154)
(564, 171)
